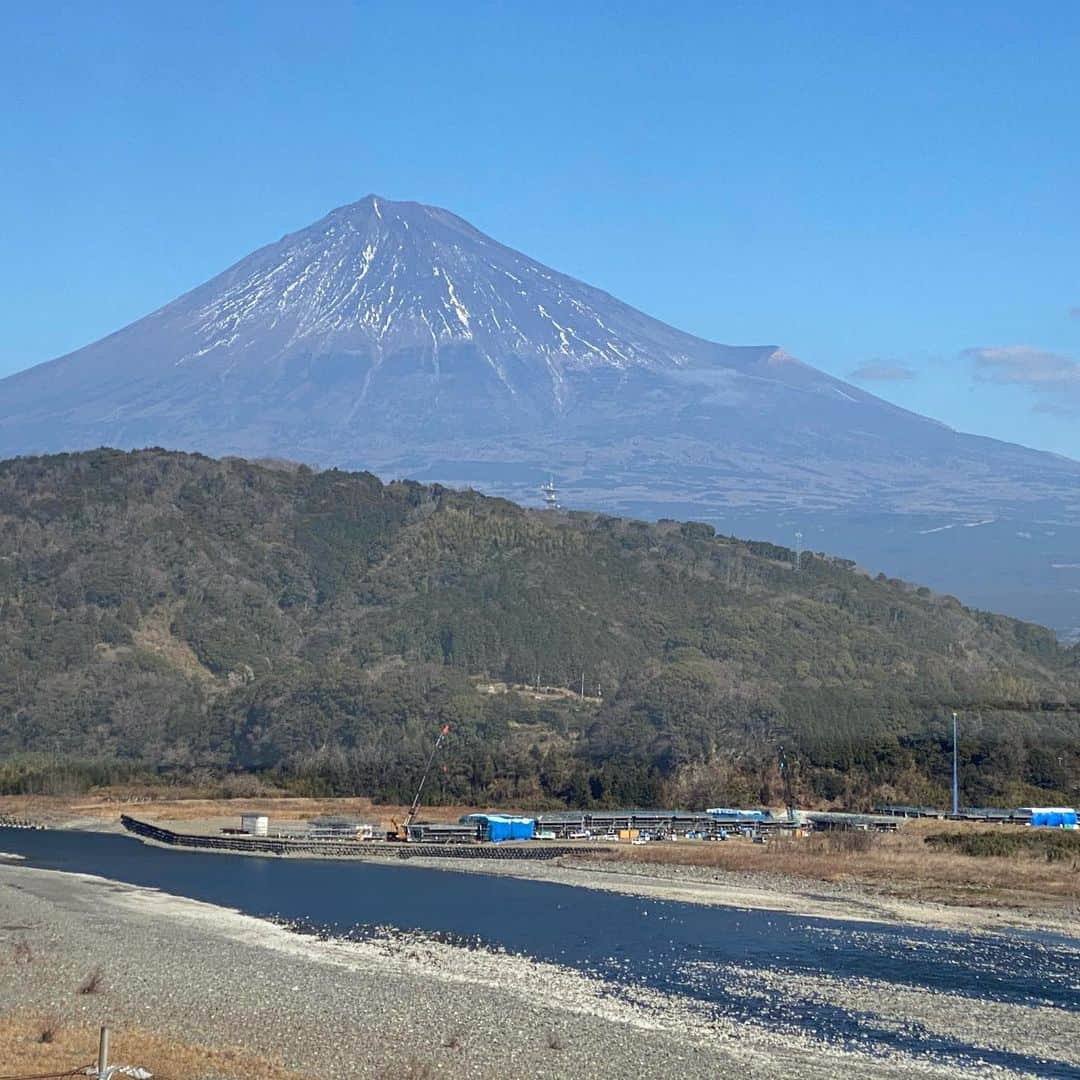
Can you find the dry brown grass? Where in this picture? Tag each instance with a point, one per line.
(213, 812)
(899, 864)
(22, 1051)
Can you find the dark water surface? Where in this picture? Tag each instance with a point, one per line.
(673, 947)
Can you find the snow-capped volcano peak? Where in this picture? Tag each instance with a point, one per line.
(378, 277)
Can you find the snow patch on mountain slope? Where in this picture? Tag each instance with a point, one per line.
(378, 277)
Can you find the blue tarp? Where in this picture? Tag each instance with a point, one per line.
(497, 830)
(1053, 818)
(499, 827)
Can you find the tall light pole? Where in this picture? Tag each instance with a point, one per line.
(955, 783)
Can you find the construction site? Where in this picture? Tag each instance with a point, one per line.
(550, 834)
(481, 834)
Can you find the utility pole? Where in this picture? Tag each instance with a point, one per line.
(789, 794)
(798, 551)
(583, 684)
(955, 773)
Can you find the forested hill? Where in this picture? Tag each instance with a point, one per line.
(194, 614)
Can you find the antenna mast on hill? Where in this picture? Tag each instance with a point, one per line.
(798, 550)
(551, 495)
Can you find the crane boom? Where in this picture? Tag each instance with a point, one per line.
(423, 780)
(789, 795)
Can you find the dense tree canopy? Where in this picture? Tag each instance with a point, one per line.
(173, 612)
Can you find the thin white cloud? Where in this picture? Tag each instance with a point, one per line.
(880, 372)
(1052, 376)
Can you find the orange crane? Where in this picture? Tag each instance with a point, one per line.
(401, 832)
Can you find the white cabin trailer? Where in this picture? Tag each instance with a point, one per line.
(254, 824)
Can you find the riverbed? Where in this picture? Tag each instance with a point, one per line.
(905, 998)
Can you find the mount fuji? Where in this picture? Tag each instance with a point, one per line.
(396, 337)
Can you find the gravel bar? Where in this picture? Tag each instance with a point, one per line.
(379, 1007)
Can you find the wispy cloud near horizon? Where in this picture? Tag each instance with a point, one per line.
(877, 371)
(1053, 376)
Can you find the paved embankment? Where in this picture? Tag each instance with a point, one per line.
(358, 849)
(9, 822)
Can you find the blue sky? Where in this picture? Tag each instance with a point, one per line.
(887, 189)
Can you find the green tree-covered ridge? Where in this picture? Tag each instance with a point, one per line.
(186, 613)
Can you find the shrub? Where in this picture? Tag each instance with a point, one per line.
(1052, 845)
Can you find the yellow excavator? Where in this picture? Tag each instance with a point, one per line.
(400, 833)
